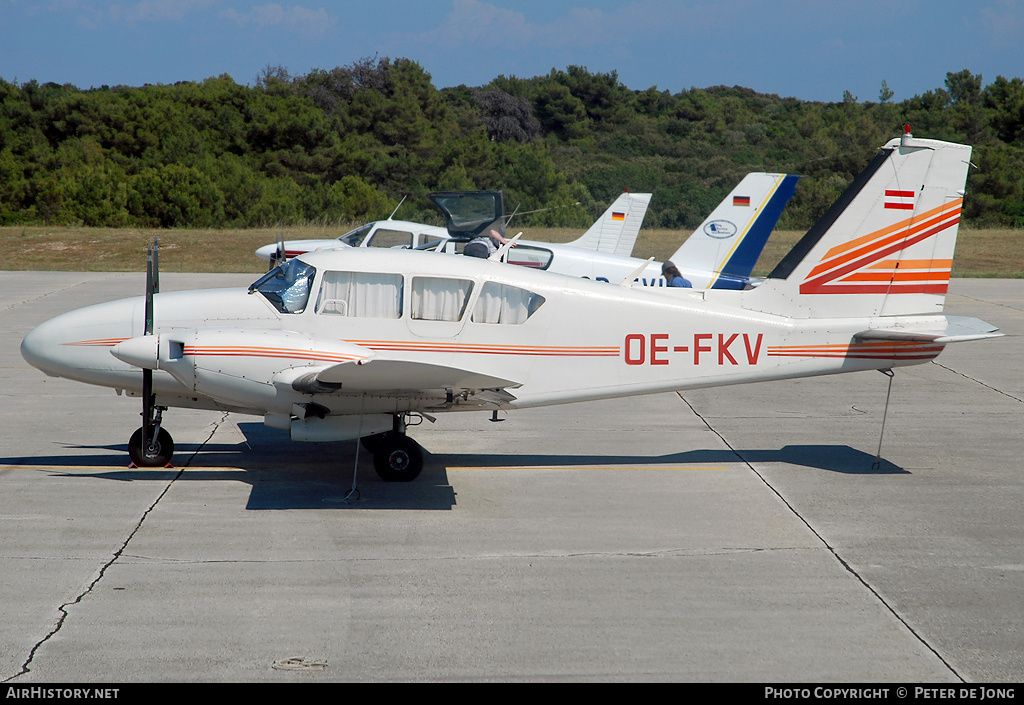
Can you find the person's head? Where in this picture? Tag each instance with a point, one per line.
(669, 270)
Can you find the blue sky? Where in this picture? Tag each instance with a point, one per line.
(809, 49)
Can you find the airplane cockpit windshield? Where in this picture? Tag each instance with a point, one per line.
(355, 237)
(286, 287)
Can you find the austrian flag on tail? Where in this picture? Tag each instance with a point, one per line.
(899, 200)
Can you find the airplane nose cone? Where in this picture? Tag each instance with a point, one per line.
(41, 347)
(77, 344)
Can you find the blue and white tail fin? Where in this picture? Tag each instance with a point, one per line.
(616, 231)
(884, 250)
(728, 243)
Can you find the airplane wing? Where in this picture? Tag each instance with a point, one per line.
(956, 329)
(400, 378)
(615, 232)
(731, 239)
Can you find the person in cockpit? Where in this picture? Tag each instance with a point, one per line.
(485, 245)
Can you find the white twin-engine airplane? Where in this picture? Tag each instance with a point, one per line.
(615, 233)
(337, 346)
(720, 253)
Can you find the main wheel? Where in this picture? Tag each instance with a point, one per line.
(398, 458)
(374, 442)
(157, 455)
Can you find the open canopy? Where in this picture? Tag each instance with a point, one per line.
(468, 214)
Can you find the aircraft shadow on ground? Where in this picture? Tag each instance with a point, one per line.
(832, 458)
(286, 475)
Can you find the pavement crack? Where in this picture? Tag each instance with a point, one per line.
(831, 549)
(64, 610)
(976, 381)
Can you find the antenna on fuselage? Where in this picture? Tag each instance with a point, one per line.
(396, 208)
(628, 281)
(500, 252)
(509, 219)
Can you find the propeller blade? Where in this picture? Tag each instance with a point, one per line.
(156, 266)
(150, 288)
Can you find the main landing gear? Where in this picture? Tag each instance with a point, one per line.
(396, 457)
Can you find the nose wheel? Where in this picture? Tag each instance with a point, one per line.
(152, 452)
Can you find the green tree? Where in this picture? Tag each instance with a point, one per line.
(174, 196)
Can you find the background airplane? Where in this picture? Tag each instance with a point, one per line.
(343, 345)
(720, 253)
(615, 232)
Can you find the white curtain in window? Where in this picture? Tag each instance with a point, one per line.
(361, 294)
(501, 303)
(439, 299)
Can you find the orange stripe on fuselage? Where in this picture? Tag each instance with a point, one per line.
(103, 342)
(873, 350)
(241, 351)
(484, 349)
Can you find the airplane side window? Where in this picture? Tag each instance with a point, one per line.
(391, 238)
(427, 240)
(287, 286)
(527, 256)
(501, 303)
(355, 237)
(439, 298)
(361, 294)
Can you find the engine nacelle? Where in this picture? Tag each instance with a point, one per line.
(239, 367)
(339, 428)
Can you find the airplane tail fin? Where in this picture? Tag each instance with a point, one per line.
(616, 231)
(885, 248)
(729, 242)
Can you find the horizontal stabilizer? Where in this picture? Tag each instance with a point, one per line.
(957, 329)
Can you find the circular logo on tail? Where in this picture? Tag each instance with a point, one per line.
(720, 229)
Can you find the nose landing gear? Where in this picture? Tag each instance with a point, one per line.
(150, 446)
(153, 452)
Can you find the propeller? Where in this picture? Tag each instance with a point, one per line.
(152, 283)
(150, 446)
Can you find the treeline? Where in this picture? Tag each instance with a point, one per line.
(346, 145)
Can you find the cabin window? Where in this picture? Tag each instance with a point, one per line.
(391, 238)
(287, 286)
(440, 298)
(527, 256)
(501, 303)
(355, 237)
(361, 294)
(427, 240)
